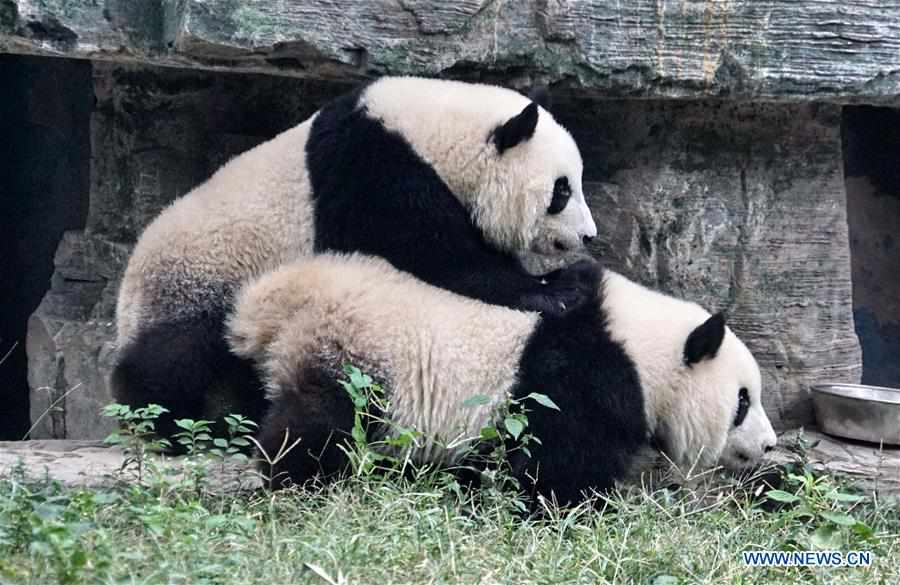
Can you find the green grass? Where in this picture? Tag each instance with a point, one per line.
(383, 530)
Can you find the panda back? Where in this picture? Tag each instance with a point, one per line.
(431, 348)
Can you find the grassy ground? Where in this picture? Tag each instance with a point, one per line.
(381, 530)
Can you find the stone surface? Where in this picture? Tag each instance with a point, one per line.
(157, 132)
(873, 468)
(771, 49)
(70, 340)
(74, 463)
(94, 464)
(740, 207)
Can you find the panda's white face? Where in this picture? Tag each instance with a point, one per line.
(542, 175)
(702, 385)
(513, 166)
(726, 391)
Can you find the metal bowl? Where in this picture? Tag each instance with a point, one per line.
(856, 411)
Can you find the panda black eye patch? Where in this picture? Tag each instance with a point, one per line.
(743, 406)
(561, 193)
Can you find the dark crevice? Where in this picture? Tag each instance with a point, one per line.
(871, 143)
(45, 107)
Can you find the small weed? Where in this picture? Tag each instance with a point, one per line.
(196, 438)
(233, 446)
(369, 402)
(136, 435)
(816, 501)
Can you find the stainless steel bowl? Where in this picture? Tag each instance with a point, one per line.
(855, 411)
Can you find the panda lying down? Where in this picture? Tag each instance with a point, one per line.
(628, 368)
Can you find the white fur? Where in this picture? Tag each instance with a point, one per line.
(436, 349)
(332, 308)
(253, 214)
(694, 405)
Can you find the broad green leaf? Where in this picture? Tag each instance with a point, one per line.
(863, 530)
(543, 400)
(489, 433)
(839, 518)
(514, 426)
(221, 443)
(841, 497)
(782, 496)
(826, 537)
(185, 423)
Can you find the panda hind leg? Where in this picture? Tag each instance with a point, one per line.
(318, 412)
(186, 367)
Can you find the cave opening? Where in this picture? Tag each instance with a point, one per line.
(45, 111)
(871, 142)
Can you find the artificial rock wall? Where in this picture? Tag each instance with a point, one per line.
(723, 183)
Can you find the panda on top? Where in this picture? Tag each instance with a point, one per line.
(454, 182)
(628, 368)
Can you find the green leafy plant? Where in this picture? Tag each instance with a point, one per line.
(513, 422)
(51, 526)
(235, 444)
(387, 454)
(196, 438)
(509, 433)
(136, 434)
(820, 503)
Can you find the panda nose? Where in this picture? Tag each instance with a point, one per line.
(587, 239)
(768, 448)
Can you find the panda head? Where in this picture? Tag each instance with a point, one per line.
(503, 155)
(715, 413)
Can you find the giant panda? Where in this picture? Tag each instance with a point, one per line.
(454, 182)
(629, 369)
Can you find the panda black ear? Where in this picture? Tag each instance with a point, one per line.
(517, 129)
(541, 96)
(704, 341)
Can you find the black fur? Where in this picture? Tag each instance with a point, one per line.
(541, 96)
(589, 442)
(374, 194)
(517, 129)
(183, 365)
(704, 341)
(319, 412)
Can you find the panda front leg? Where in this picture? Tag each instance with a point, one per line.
(564, 289)
(502, 281)
(319, 414)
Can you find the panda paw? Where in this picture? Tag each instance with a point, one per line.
(564, 289)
